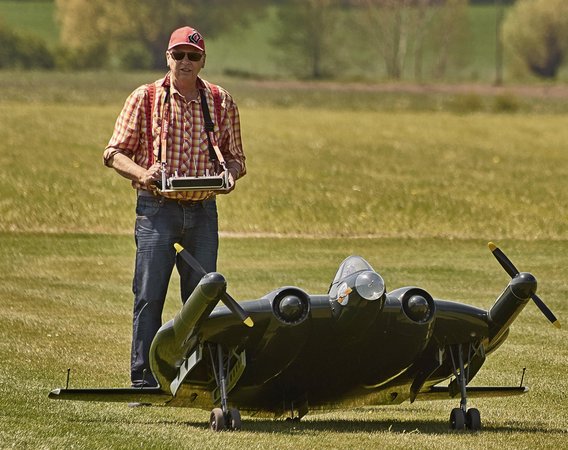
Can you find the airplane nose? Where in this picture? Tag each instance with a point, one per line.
(523, 285)
(212, 284)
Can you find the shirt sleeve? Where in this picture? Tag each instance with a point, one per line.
(230, 142)
(127, 129)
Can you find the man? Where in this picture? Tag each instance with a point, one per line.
(162, 127)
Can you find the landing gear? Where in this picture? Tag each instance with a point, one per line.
(218, 421)
(234, 422)
(223, 418)
(473, 419)
(457, 419)
(462, 418)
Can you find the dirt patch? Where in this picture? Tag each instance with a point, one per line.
(533, 91)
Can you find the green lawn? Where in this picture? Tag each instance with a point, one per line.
(416, 184)
(67, 305)
(322, 170)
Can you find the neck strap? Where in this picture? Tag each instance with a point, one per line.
(214, 151)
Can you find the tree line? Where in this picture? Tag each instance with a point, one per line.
(312, 39)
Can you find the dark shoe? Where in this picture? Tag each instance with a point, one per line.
(146, 384)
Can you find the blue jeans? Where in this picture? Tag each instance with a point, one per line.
(160, 223)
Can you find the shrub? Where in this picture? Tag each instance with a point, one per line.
(33, 53)
(8, 44)
(536, 32)
(506, 103)
(134, 56)
(467, 103)
(23, 51)
(91, 57)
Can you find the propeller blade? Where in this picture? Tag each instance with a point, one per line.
(189, 259)
(237, 309)
(512, 271)
(545, 310)
(229, 301)
(503, 260)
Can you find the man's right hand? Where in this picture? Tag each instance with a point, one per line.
(129, 169)
(151, 175)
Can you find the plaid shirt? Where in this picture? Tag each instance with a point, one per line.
(187, 150)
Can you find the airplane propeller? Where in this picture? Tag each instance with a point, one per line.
(513, 272)
(229, 301)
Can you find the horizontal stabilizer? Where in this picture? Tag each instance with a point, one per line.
(443, 393)
(151, 395)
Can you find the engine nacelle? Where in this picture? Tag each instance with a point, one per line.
(290, 305)
(170, 344)
(417, 304)
(285, 335)
(510, 304)
(407, 320)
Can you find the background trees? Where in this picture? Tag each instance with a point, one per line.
(536, 32)
(323, 37)
(345, 39)
(132, 34)
(308, 32)
(405, 31)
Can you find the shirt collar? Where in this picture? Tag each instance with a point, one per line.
(166, 83)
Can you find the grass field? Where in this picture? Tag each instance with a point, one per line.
(331, 170)
(422, 181)
(67, 304)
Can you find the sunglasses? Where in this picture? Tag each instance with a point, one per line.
(192, 56)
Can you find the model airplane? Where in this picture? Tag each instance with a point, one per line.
(356, 345)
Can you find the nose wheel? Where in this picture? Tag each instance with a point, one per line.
(219, 421)
(223, 418)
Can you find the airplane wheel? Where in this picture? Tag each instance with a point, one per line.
(234, 419)
(473, 419)
(217, 420)
(457, 419)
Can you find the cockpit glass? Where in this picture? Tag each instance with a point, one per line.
(370, 285)
(351, 265)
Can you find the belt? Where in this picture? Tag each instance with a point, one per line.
(143, 193)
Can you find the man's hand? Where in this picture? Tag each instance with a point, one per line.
(151, 175)
(129, 169)
(232, 181)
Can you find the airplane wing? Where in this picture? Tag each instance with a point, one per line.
(139, 395)
(444, 393)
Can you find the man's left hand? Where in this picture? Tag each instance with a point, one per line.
(232, 181)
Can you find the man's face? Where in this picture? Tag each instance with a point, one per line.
(191, 62)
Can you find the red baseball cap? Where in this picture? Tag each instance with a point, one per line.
(187, 36)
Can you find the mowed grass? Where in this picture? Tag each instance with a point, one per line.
(318, 170)
(67, 304)
(411, 184)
